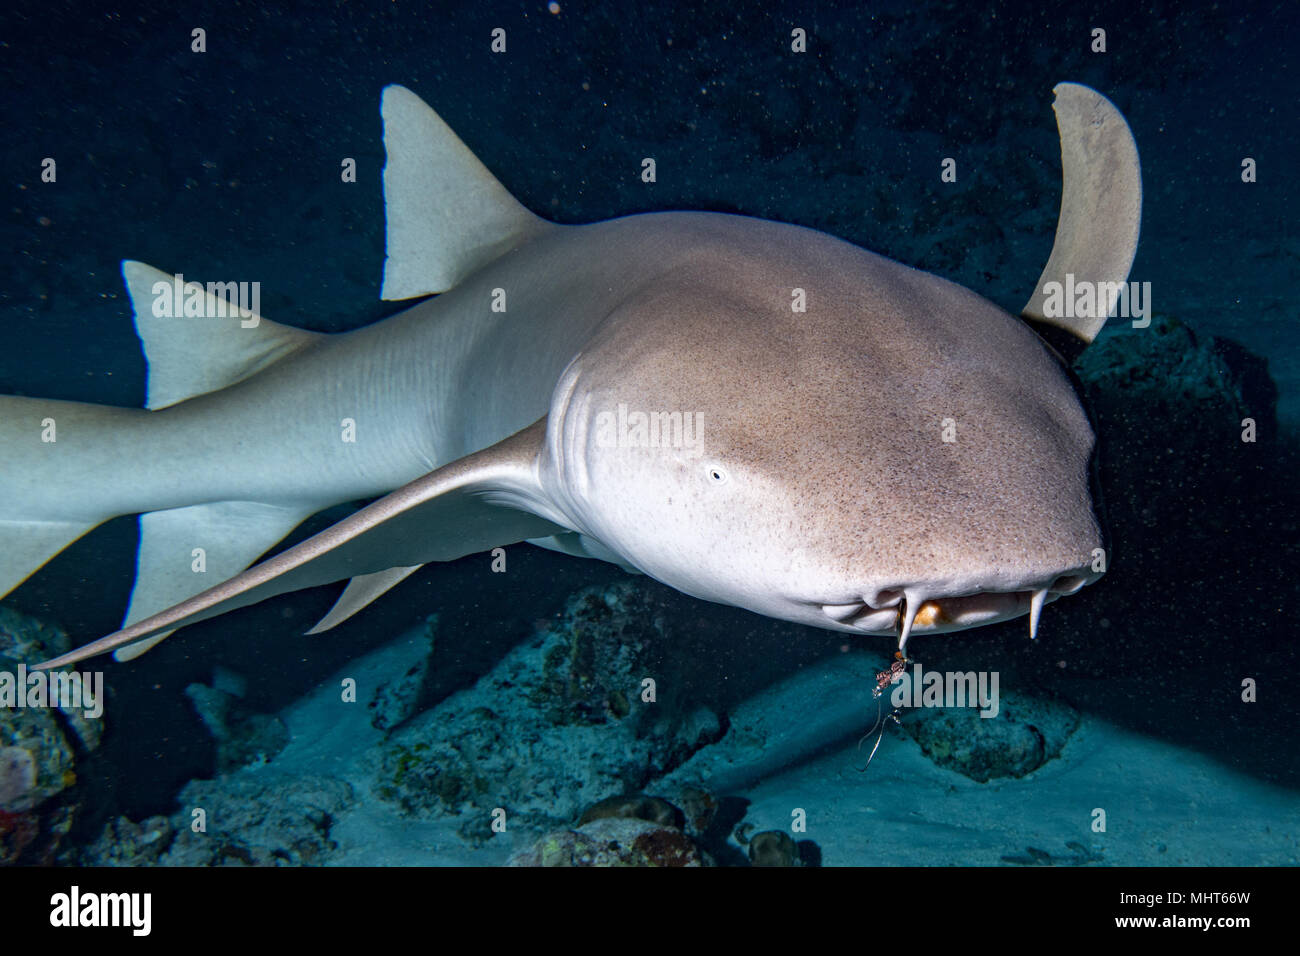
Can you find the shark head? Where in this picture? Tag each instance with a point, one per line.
(898, 455)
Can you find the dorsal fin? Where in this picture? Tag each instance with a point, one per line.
(1101, 211)
(192, 354)
(446, 214)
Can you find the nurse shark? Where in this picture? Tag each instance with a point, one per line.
(754, 413)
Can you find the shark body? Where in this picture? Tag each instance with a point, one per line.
(897, 454)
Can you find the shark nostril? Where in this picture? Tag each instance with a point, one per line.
(1068, 583)
(887, 597)
(842, 612)
(862, 616)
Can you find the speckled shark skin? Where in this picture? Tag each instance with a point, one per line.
(863, 446)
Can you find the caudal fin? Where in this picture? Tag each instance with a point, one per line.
(68, 465)
(26, 545)
(48, 488)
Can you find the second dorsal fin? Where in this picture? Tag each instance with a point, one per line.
(199, 342)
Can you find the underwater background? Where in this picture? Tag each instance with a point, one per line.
(519, 690)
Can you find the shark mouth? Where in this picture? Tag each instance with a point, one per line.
(904, 611)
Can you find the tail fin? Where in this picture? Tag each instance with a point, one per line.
(47, 487)
(54, 488)
(25, 546)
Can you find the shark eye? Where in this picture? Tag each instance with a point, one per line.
(716, 475)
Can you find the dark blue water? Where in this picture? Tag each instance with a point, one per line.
(227, 164)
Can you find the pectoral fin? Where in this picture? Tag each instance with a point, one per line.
(489, 498)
